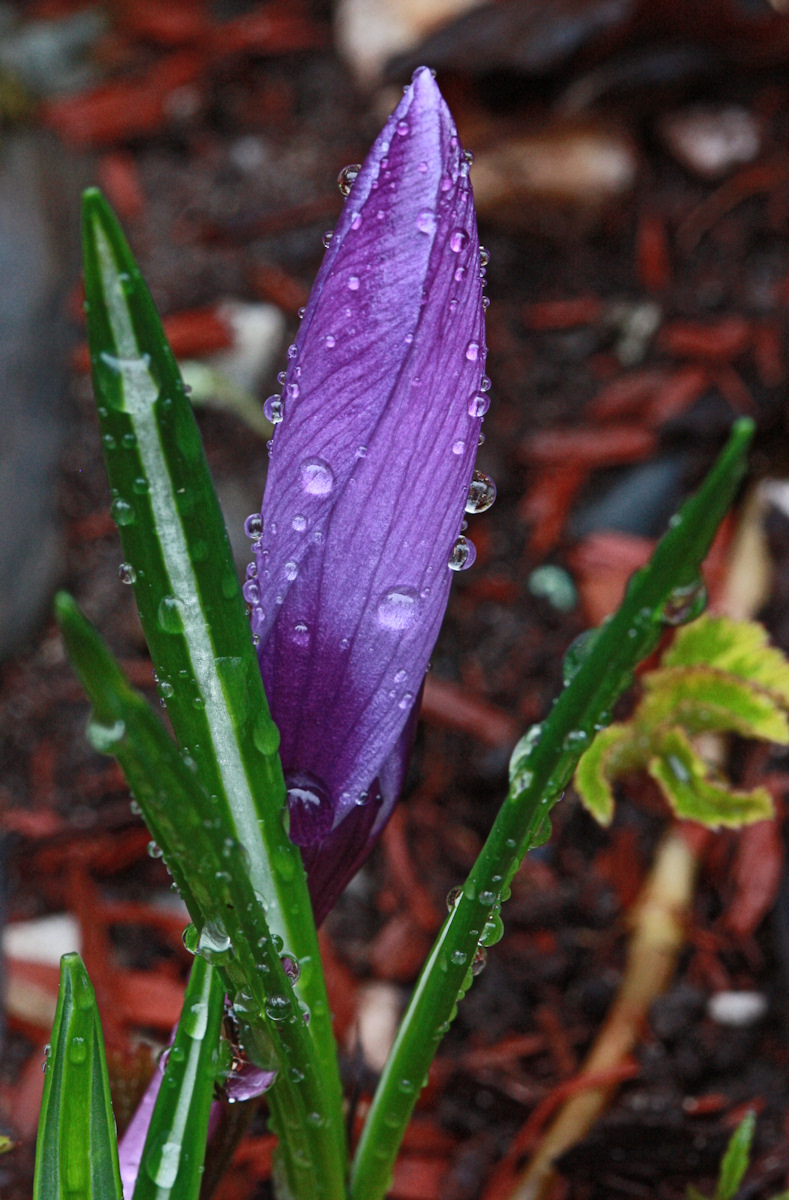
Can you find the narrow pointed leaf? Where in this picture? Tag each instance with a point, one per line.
(739, 647)
(196, 849)
(172, 1159)
(701, 699)
(683, 778)
(736, 1158)
(77, 1151)
(668, 588)
(178, 555)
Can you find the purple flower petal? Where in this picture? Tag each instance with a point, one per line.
(369, 476)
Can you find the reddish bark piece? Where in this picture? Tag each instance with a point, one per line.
(399, 949)
(627, 394)
(704, 1106)
(602, 565)
(653, 264)
(619, 864)
(278, 287)
(119, 179)
(757, 872)
(681, 389)
(761, 177)
(147, 999)
(269, 29)
(768, 353)
(401, 867)
(174, 24)
(126, 108)
(547, 504)
(257, 1153)
(418, 1177)
(734, 390)
(606, 447)
(27, 1096)
(448, 704)
(424, 1136)
(504, 1052)
(725, 338)
(563, 314)
(502, 1182)
(341, 985)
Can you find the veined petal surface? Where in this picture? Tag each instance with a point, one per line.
(370, 469)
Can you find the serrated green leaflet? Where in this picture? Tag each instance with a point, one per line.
(739, 647)
(178, 554)
(701, 699)
(668, 589)
(76, 1151)
(172, 1158)
(684, 779)
(196, 848)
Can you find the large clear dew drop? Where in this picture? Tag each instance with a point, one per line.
(481, 493)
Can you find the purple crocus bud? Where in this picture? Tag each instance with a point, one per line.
(369, 477)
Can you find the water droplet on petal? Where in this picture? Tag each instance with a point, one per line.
(253, 526)
(426, 221)
(478, 405)
(458, 447)
(301, 634)
(347, 177)
(469, 157)
(330, 341)
(484, 256)
(299, 523)
(317, 477)
(292, 569)
(463, 554)
(481, 493)
(353, 283)
(398, 607)
(403, 128)
(484, 384)
(251, 592)
(310, 808)
(126, 573)
(458, 240)
(327, 237)
(472, 351)
(273, 409)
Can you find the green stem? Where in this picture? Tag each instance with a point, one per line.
(542, 768)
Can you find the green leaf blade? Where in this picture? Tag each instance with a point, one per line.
(214, 867)
(736, 1159)
(188, 594)
(666, 590)
(172, 1158)
(76, 1152)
